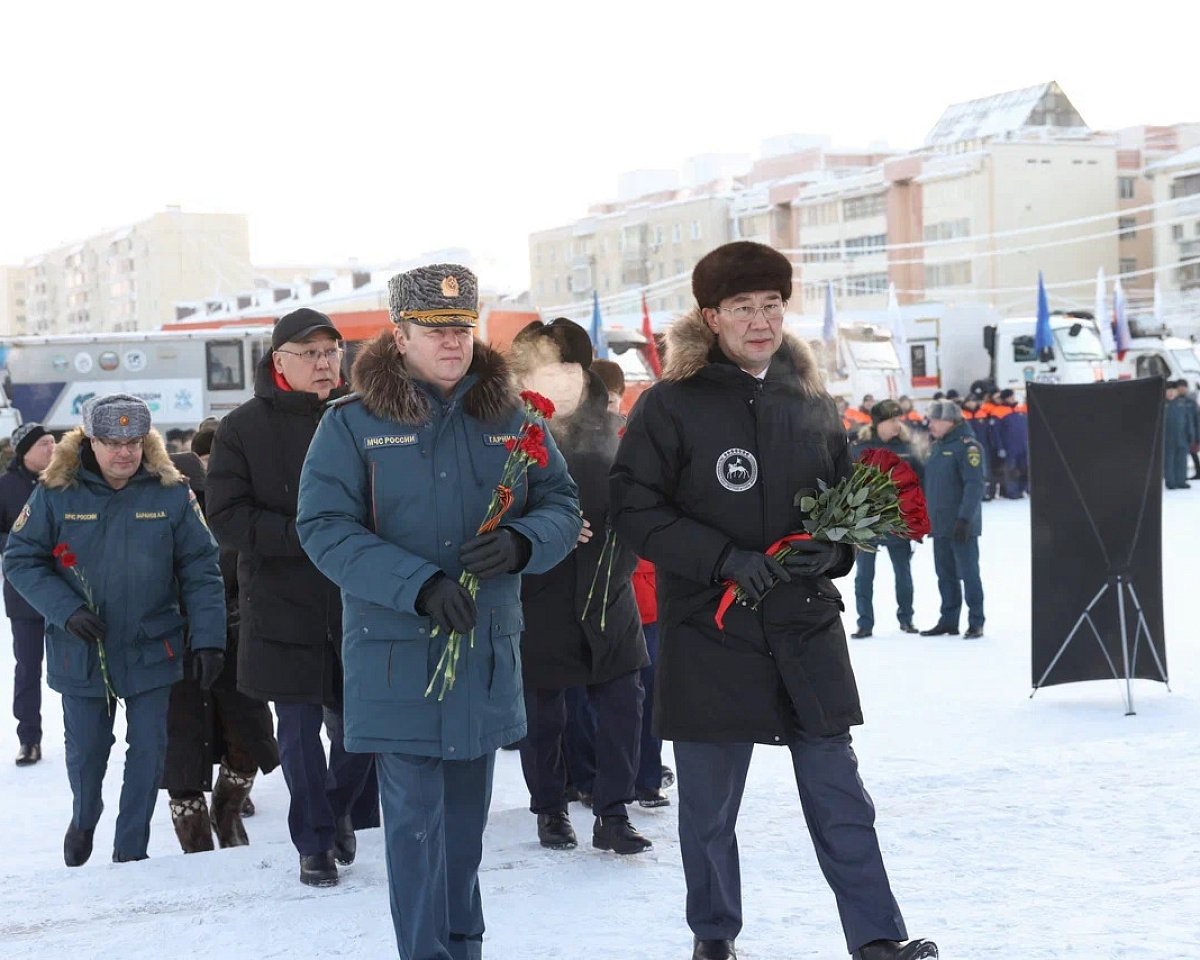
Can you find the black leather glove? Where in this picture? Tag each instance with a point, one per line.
(207, 666)
(755, 573)
(448, 604)
(84, 624)
(491, 554)
(814, 558)
(962, 530)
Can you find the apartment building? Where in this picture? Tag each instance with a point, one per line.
(12, 301)
(1175, 189)
(130, 278)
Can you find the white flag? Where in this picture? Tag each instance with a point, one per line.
(1103, 317)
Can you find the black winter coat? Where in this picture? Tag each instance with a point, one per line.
(16, 484)
(712, 459)
(291, 615)
(200, 725)
(560, 646)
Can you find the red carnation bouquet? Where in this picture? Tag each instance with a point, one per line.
(881, 498)
(62, 553)
(527, 449)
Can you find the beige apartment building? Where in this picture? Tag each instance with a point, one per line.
(1176, 194)
(130, 278)
(12, 300)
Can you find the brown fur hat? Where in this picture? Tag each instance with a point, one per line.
(740, 267)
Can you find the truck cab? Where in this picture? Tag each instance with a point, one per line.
(1077, 354)
(1155, 353)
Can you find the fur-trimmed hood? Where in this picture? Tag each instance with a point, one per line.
(382, 381)
(65, 465)
(690, 343)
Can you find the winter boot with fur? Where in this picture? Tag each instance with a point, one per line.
(228, 796)
(192, 826)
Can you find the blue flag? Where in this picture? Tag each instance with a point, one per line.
(599, 344)
(1043, 340)
(829, 331)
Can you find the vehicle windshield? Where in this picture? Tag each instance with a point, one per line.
(1084, 345)
(873, 354)
(1188, 360)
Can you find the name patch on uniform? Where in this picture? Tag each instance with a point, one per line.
(737, 470)
(403, 440)
(150, 515)
(81, 516)
(498, 439)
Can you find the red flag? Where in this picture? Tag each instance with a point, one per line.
(651, 349)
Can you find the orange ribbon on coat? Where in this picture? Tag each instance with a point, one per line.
(729, 595)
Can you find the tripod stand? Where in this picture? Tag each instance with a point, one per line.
(1121, 584)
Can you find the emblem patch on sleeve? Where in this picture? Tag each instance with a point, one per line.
(22, 519)
(973, 456)
(737, 470)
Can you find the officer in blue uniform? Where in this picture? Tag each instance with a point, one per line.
(108, 550)
(397, 480)
(1179, 433)
(954, 480)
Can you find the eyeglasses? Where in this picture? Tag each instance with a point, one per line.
(746, 312)
(130, 445)
(312, 356)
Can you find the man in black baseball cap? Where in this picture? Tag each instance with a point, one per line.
(300, 325)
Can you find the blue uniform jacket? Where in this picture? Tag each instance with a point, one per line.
(953, 482)
(395, 481)
(141, 550)
(16, 485)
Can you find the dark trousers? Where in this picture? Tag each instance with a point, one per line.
(840, 818)
(322, 791)
(89, 738)
(434, 813)
(864, 583)
(1175, 464)
(957, 568)
(579, 740)
(29, 648)
(618, 707)
(1016, 476)
(649, 774)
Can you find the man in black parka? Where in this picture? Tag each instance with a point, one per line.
(291, 616)
(569, 639)
(703, 484)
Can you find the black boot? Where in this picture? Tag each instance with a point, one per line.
(895, 950)
(345, 844)
(319, 870)
(77, 846)
(121, 858)
(860, 634)
(668, 777)
(907, 628)
(247, 808)
(189, 816)
(29, 754)
(714, 950)
(555, 831)
(228, 796)
(941, 630)
(618, 835)
(652, 798)
(973, 633)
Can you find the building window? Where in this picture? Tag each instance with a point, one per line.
(695, 229)
(859, 208)
(1127, 227)
(1128, 265)
(948, 230)
(866, 284)
(676, 232)
(1125, 187)
(956, 274)
(1177, 231)
(917, 354)
(822, 252)
(658, 235)
(865, 246)
(1185, 186)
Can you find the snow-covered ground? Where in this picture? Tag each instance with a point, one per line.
(1054, 827)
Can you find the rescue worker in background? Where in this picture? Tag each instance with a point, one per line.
(1194, 409)
(953, 486)
(111, 548)
(398, 479)
(1011, 424)
(32, 449)
(613, 378)
(704, 482)
(1178, 434)
(887, 430)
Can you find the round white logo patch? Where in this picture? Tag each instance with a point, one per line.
(737, 470)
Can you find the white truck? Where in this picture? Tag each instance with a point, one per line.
(183, 376)
(863, 361)
(1155, 353)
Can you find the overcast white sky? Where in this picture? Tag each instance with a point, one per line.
(380, 130)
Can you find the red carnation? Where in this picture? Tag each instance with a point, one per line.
(510, 444)
(537, 404)
(59, 550)
(68, 560)
(535, 433)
